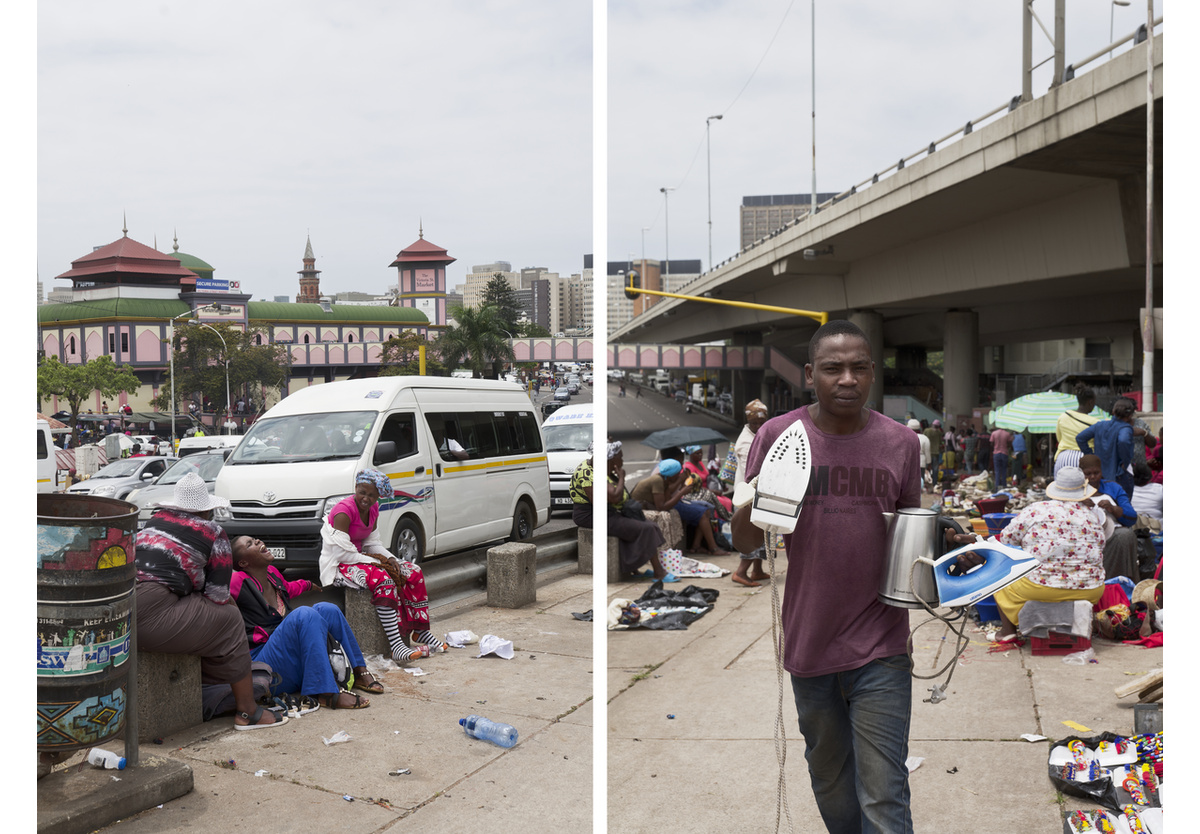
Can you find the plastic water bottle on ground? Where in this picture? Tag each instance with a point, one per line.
(476, 726)
(105, 759)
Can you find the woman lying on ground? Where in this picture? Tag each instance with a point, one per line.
(184, 566)
(294, 642)
(668, 489)
(353, 555)
(1067, 539)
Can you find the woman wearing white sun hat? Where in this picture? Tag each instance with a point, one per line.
(1066, 538)
(184, 566)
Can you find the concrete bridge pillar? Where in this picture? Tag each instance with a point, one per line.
(871, 323)
(960, 391)
(747, 384)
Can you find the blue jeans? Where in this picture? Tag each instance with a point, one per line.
(1000, 465)
(298, 650)
(855, 727)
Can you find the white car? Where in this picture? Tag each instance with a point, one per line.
(121, 477)
(205, 464)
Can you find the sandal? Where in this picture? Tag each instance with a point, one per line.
(368, 683)
(335, 702)
(252, 720)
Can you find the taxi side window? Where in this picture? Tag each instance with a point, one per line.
(399, 428)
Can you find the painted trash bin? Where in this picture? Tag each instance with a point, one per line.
(85, 586)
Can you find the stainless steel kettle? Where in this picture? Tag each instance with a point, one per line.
(913, 534)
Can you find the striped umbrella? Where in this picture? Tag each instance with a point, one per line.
(1037, 413)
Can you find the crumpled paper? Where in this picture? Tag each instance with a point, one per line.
(491, 644)
(338, 738)
(461, 639)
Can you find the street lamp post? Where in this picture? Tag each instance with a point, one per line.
(1111, 11)
(666, 192)
(226, 349)
(708, 153)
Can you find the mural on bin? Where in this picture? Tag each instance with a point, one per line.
(82, 548)
(72, 723)
(82, 639)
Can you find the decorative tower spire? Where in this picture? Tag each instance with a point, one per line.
(176, 246)
(124, 226)
(420, 229)
(310, 284)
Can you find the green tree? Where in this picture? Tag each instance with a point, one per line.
(200, 364)
(500, 295)
(533, 331)
(476, 341)
(75, 383)
(401, 356)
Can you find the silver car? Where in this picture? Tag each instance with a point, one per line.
(162, 488)
(123, 476)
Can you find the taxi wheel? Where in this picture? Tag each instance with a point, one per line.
(410, 545)
(522, 526)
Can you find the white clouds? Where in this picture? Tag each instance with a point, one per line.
(246, 126)
(891, 78)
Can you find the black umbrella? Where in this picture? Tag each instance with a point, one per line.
(683, 436)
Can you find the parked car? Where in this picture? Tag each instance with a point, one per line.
(121, 477)
(205, 464)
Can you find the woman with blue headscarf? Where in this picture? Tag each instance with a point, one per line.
(665, 490)
(353, 555)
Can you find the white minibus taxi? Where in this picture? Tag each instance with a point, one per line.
(567, 431)
(466, 460)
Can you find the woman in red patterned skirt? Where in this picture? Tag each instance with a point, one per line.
(353, 555)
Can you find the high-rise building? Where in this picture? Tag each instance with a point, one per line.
(480, 275)
(762, 215)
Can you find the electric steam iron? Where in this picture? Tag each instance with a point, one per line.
(1002, 566)
(782, 481)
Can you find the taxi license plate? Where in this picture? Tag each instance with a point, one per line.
(278, 552)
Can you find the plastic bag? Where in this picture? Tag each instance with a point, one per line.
(1103, 789)
(1082, 658)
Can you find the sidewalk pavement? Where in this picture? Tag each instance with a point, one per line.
(457, 784)
(713, 767)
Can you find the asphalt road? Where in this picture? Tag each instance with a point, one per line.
(632, 418)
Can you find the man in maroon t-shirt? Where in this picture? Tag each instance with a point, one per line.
(846, 651)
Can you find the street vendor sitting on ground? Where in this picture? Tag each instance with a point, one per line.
(1067, 539)
(639, 539)
(666, 489)
(1119, 519)
(294, 640)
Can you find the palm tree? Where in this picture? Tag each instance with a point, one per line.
(477, 340)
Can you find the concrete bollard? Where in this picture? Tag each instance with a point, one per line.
(614, 560)
(512, 574)
(364, 622)
(585, 551)
(169, 697)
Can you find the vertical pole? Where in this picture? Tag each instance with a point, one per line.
(131, 696)
(812, 207)
(171, 355)
(1060, 41)
(1148, 317)
(708, 153)
(1026, 51)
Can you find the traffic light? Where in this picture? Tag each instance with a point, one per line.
(635, 283)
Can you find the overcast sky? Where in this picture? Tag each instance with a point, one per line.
(247, 126)
(891, 77)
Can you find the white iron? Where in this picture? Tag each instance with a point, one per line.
(1003, 565)
(782, 481)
